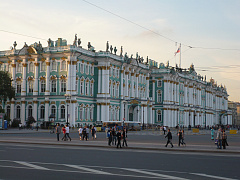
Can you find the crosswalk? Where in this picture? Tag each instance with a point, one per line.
(108, 171)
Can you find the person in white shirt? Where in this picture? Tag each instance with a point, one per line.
(80, 132)
(67, 132)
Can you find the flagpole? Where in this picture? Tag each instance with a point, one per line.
(180, 56)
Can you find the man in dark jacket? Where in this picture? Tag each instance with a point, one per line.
(124, 134)
(169, 135)
(119, 136)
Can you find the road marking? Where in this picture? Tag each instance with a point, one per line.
(31, 165)
(211, 176)
(87, 169)
(154, 174)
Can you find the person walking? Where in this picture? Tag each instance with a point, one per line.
(67, 132)
(110, 136)
(80, 132)
(212, 134)
(169, 135)
(183, 143)
(124, 135)
(219, 139)
(114, 141)
(58, 131)
(180, 138)
(164, 129)
(119, 137)
(84, 133)
(224, 139)
(64, 134)
(87, 133)
(93, 132)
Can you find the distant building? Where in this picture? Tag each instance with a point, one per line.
(102, 87)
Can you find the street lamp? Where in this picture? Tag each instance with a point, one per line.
(68, 98)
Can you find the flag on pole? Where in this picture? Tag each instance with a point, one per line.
(178, 51)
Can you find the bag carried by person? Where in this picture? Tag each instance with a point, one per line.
(216, 141)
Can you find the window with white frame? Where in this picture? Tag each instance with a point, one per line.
(30, 110)
(62, 111)
(81, 113)
(81, 67)
(159, 83)
(64, 65)
(19, 86)
(117, 73)
(81, 87)
(63, 85)
(91, 89)
(43, 86)
(54, 86)
(86, 113)
(42, 112)
(159, 96)
(91, 113)
(53, 110)
(159, 116)
(19, 67)
(87, 69)
(54, 65)
(113, 72)
(30, 86)
(76, 85)
(18, 113)
(92, 70)
(110, 71)
(87, 87)
(117, 91)
(31, 67)
(113, 90)
(43, 66)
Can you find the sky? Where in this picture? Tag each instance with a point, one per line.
(153, 28)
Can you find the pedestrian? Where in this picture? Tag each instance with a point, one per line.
(219, 139)
(164, 129)
(183, 143)
(37, 127)
(212, 134)
(64, 134)
(169, 135)
(224, 139)
(95, 135)
(179, 137)
(20, 126)
(93, 132)
(80, 132)
(84, 133)
(114, 133)
(87, 133)
(119, 137)
(67, 132)
(58, 131)
(110, 136)
(124, 135)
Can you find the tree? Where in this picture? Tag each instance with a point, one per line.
(30, 121)
(6, 89)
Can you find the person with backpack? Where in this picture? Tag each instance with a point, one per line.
(169, 135)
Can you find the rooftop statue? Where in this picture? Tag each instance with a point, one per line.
(89, 45)
(107, 46)
(167, 64)
(75, 40)
(14, 45)
(79, 42)
(121, 52)
(111, 49)
(137, 55)
(39, 47)
(49, 42)
(25, 44)
(115, 50)
(125, 57)
(147, 59)
(131, 56)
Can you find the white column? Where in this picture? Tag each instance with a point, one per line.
(99, 80)
(153, 92)
(46, 118)
(177, 93)
(147, 86)
(23, 108)
(14, 74)
(69, 76)
(98, 112)
(35, 108)
(126, 83)
(47, 92)
(12, 112)
(24, 78)
(35, 91)
(121, 84)
(137, 75)
(185, 95)
(132, 86)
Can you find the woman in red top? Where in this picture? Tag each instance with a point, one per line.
(64, 133)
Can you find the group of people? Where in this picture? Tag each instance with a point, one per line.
(115, 137)
(84, 133)
(180, 138)
(65, 130)
(221, 139)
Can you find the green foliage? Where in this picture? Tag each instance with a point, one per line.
(6, 89)
(30, 120)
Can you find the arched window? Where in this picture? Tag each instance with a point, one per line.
(113, 90)
(76, 85)
(19, 86)
(81, 87)
(91, 89)
(159, 116)
(117, 91)
(63, 85)
(18, 114)
(86, 113)
(87, 88)
(42, 112)
(159, 96)
(43, 66)
(43, 86)
(30, 110)
(54, 65)
(19, 67)
(31, 67)
(54, 86)
(62, 110)
(91, 113)
(53, 110)
(64, 65)
(30, 86)
(81, 113)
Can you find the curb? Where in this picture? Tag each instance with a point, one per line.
(134, 148)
